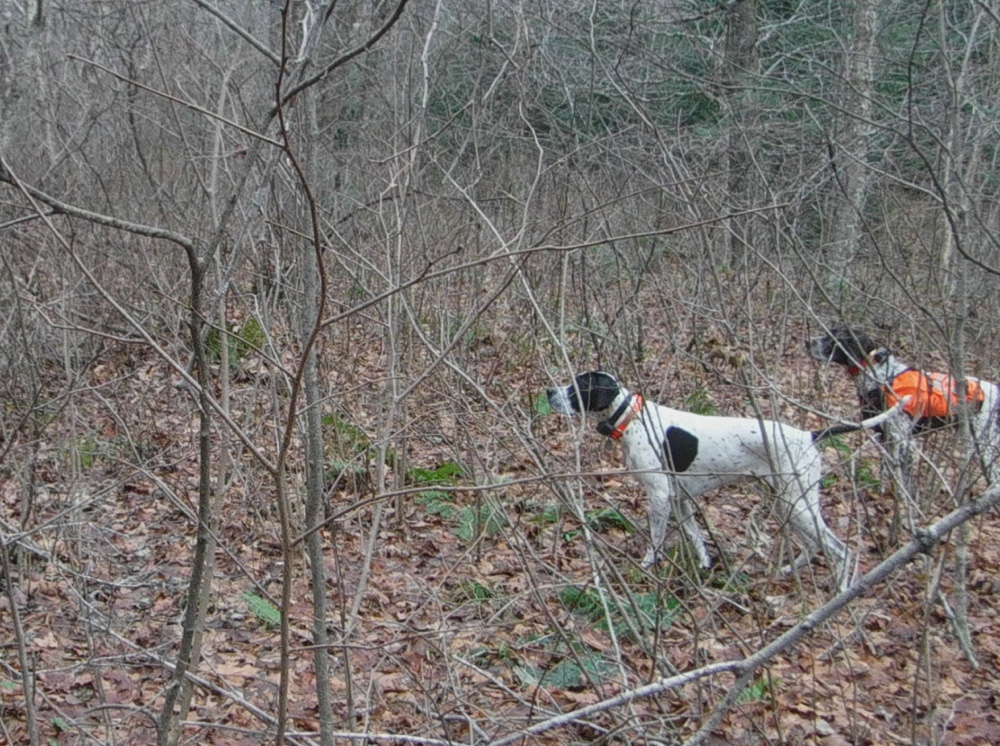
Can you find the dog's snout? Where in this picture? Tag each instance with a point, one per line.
(559, 401)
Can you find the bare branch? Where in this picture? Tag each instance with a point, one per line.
(345, 57)
(65, 208)
(923, 542)
(188, 104)
(240, 31)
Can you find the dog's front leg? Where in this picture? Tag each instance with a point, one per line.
(986, 441)
(902, 464)
(664, 495)
(658, 490)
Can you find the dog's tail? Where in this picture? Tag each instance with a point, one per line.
(871, 422)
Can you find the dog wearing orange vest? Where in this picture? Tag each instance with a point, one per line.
(934, 401)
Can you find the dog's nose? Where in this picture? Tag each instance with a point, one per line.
(559, 401)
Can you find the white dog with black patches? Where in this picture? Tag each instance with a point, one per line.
(678, 456)
(932, 398)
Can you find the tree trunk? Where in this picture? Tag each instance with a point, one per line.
(849, 155)
(740, 68)
(313, 290)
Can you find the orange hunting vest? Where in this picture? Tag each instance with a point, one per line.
(932, 394)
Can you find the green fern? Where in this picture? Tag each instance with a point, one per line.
(700, 402)
(647, 609)
(484, 522)
(759, 691)
(446, 473)
(439, 503)
(263, 609)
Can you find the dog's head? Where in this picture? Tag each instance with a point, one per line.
(842, 345)
(590, 393)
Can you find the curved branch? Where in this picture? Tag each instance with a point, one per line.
(346, 57)
(65, 208)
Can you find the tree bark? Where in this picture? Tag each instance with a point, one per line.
(740, 68)
(849, 155)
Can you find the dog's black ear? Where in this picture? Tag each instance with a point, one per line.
(860, 343)
(850, 346)
(597, 390)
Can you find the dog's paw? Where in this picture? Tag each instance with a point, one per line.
(649, 560)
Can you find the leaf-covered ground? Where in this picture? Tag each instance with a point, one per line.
(481, 612)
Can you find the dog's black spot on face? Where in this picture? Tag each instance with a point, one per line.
(842, 346)
(593, 392)
(680, 448)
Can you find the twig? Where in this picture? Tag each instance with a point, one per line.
(924, 541)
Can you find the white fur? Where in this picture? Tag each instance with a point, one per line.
(730, 450)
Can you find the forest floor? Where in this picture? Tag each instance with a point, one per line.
(479, 614)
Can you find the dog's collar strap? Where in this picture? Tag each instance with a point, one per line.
(855, 370)
(614, 427)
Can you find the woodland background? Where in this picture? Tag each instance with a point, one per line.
(282, 282)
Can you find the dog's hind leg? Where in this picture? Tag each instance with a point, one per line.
(798, 504)
(900, 456)
(986, 440)
(814, 533)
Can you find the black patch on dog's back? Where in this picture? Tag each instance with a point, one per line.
(680, 448)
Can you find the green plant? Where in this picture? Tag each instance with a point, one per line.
(600, 521)
(500, 652)
(568, 673)
(759, 691)
(349, 437)
(438, 503)
(828, 480)
(868, 474)
(474, 523)
(84, 450)
(540, 405)
(867, 471)
(607, 519)
(474, 591)
(585, 601)
(645, 610)
(354, 472)
(242, 340)
(732, 582)
(349, 449)
(837, 443)
(250, 336)
(448, 472)
(263, 609)
(700, 402)
(547, 516)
